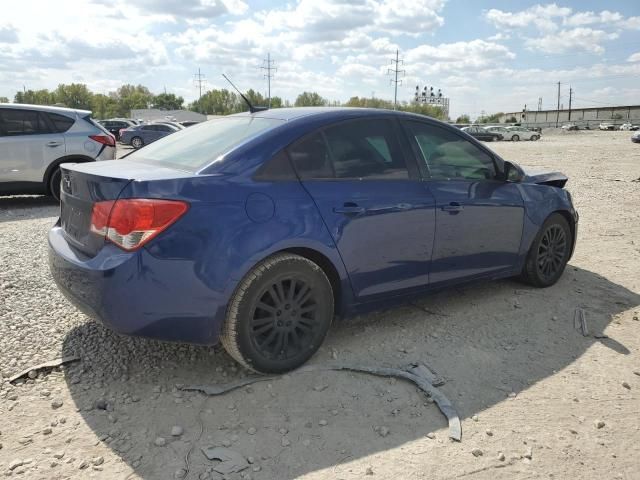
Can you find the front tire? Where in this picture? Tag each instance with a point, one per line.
(515, 138)
(137, 142)
(54, 183)
(549, 253)
(535, 138)
(279, 314)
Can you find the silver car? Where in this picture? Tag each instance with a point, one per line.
(35, 140)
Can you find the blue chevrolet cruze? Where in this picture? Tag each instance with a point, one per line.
(258, 229)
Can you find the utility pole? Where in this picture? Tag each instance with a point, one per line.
(199, 79)
(558, 111)
(539, 103)
(269, 66)
(396, 70)
(570, 95)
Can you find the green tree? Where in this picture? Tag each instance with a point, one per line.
(104, 106)
(4, 100)
(74, 95)
(168, 101)
(310, 99)
(511, 119)
(130, 97)
(35, 97)
(276, 102)
(463, 119)
(494, 118)
(218, 102)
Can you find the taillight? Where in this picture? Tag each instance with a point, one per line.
(108, 140)
(132, 222)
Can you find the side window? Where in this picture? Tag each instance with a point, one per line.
(61, 123)
(366, 149)
(164, 128)
(23, 122)
(310, 158)
(278, 168)
(448, 156)
(151, 128)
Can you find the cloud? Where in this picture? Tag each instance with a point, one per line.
(634, 58)
(191, 9)
(541, 16)
(589, 18)
(8, 34)
(586, 39)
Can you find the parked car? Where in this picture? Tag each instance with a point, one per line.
(635, 138)
(629, 127)
(173, 124)
(35, 140)
(140, 135)
(115, 125)
(482, 134)
(569, 126)
(516, 134)
(258, 229)
(502, 131)
(606, 126)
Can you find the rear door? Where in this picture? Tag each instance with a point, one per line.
(28, 144)
(479, 218)
(372, 201)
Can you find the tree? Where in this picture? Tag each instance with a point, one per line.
(511, 119)
(74, 95)
(130, 97)
(310, 99)
(104, 106)
(168, 101)
(494, 118)
(276, 102)
(218, 102)
(4, 100)
(35, 97)
(463, 119)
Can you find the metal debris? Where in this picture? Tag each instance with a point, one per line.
(417, 373)
(46, 365)
(230, 460)
(580, 322)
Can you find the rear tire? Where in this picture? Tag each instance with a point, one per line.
(137, 142)
(279, 314)
(515, 138)
(535, 138)
(549, 253)
(54, 183)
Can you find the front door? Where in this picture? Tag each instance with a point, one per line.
(479, 218)
(377, 210)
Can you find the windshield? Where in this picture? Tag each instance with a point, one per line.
(193, 148)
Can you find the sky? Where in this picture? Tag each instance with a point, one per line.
(486, 56)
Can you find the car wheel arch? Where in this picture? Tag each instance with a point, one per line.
(56, 163)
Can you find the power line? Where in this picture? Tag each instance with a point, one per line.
(269, 67)
(396, 62)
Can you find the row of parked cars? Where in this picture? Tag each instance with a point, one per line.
(138, 134)
(493, 133)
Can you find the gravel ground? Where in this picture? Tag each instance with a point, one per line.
(537, 399)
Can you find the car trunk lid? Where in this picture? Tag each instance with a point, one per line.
(85, 184)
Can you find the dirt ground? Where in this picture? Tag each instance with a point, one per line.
(537, 399)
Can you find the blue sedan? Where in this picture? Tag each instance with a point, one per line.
(258, 229)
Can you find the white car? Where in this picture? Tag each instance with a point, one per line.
(35, 140)
(606, 126)
(629, 126)
(500, 130)
(516, 134)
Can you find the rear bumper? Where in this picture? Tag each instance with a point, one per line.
(137, 294)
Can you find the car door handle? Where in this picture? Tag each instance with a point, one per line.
(349, 209)
(54, 144)
(453, 208)
(398, 207)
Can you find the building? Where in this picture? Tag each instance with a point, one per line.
(156, 115)
(591, 117)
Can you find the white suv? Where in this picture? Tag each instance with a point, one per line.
(35, 140)
(517, 133)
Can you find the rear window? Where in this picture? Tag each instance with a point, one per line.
(61, 123)
(193, 148)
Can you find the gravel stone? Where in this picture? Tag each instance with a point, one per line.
(599, 424)
(56, 403)
(160, 442)
(251, 431)
(176, 431)
(476, 452)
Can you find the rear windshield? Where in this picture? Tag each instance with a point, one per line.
(193, 148)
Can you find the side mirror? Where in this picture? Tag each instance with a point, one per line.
(512, 173)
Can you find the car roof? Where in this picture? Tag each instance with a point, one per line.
(328, 113)
(45, 108)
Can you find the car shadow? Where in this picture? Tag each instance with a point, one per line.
(26, 207)
(489, 341)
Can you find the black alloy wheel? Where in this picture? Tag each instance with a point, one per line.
(549, 252)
